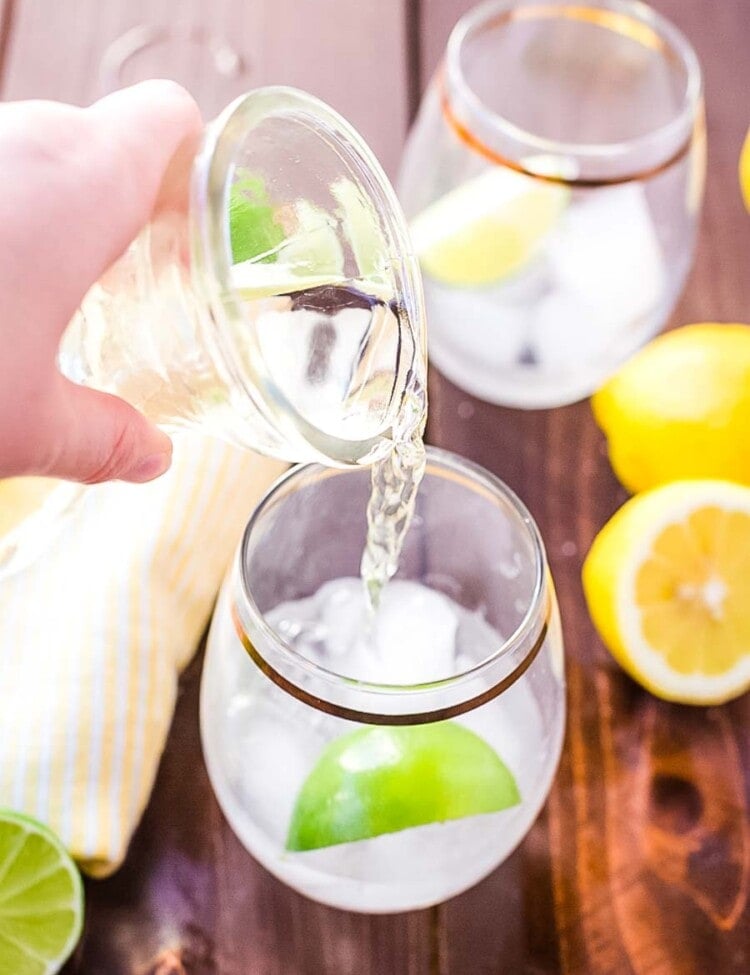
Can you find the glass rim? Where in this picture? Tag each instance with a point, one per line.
(527, 636)
(635, 10)
(211, 252)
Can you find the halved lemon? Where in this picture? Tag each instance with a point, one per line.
(487, 228)
(667, 582)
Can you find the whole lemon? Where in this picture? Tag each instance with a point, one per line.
(745, 171)
(680, 408)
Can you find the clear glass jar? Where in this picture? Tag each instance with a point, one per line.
(273, 299)
(553, 181)
(395, 779)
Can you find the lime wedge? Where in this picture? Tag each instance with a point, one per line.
(41, 898)
(253, 230)
(382, 780)
(487, 228)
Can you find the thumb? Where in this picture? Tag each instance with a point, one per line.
(92, 437)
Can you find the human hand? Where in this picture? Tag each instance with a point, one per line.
(76, 187)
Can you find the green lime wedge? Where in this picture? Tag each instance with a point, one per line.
(41, 898)
(253, 230)
(382, 780)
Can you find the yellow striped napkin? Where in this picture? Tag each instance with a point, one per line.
(94, 634)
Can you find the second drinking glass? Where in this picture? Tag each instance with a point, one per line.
(553, 180)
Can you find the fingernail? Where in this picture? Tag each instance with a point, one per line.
(148, 468)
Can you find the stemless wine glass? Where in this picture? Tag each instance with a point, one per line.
(553, 180)
(391, 778)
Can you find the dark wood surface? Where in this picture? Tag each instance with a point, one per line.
(640, 863)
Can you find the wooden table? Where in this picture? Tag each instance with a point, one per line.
(640, 862)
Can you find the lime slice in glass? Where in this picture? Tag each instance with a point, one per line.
(313, 247)
(253, 229)
(41, 898)
(271, 259)
(362, 227)
(382, 780)
(487, 228)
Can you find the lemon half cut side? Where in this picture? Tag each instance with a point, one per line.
(667, 582)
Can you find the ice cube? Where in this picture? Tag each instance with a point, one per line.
(475, 639)
(566, 331)
(297, 622)
(271, 760)
(606, 253)
(476, 325)
(412, 639)
(414, 635)
(344, 615)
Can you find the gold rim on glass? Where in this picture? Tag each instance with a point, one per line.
(295, 674)
(633, 20)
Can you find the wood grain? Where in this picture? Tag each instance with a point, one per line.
(338, 51)
(639, 864)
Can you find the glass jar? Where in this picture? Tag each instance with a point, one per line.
(553, 181)
(391, 774)
(273, 299)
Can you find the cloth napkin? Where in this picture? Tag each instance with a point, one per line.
(94, 634)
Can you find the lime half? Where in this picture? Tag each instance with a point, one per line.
(487, 228)
(382, 780)
(41, 898)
